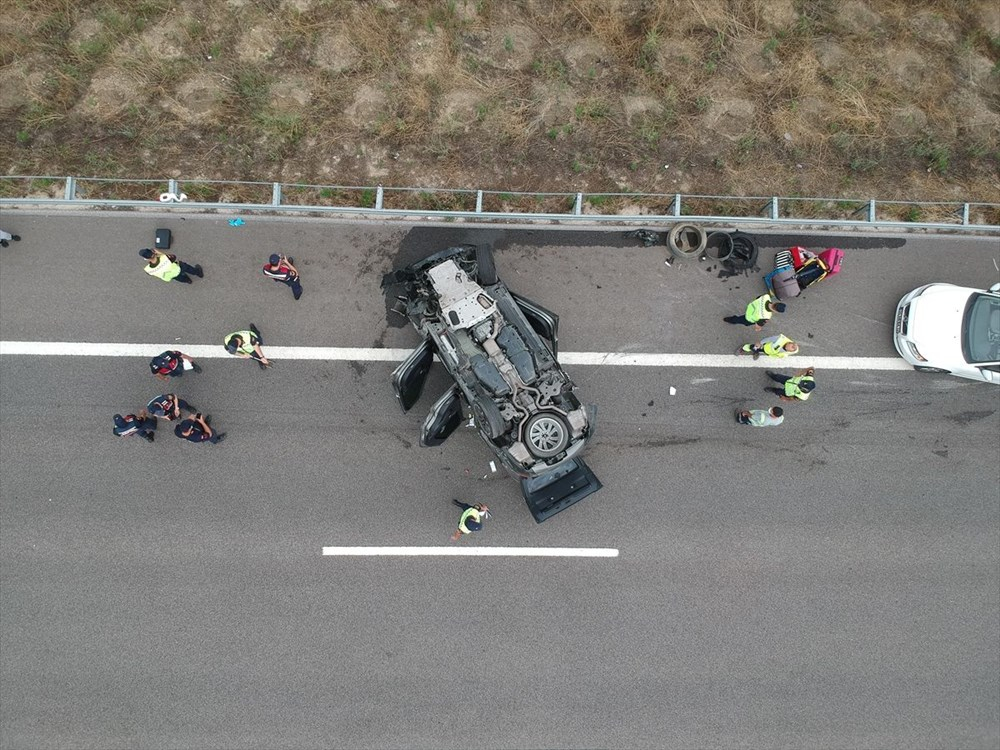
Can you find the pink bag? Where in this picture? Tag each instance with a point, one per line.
(833, 258)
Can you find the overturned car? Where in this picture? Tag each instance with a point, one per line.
(500, 349)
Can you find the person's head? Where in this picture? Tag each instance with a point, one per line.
(233, 344)
(777, 306)
(791, 347)
(146, 253)
(807, 386)
(274, 259)
(777, 411)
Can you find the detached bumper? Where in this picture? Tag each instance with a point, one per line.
(560, 488)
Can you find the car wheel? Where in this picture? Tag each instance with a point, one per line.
(918, 368)
(546, 434)
(486, 270)
(487, 415)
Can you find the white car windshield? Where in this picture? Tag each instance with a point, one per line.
(981, 329)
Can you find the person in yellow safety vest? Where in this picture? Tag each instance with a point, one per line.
(246, 344)
(758, 312)
(166, 267)
(797, 387)
(471, 520)
(773, 346)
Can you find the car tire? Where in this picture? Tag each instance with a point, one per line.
(486, 270)
(546, 434)
(920, 368)
(487, 415)
(686, 241)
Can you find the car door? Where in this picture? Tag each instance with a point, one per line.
(544, 322)
(408, 379)
(443, 419)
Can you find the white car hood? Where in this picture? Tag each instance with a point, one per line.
(935, 323)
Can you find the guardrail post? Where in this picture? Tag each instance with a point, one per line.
(172, 186)
(965, 214)
(70, 188)
(378, 198)
(275, 193)
(871, 211)
(479, 201)
(774, 207)
(578, 205)
(677, 204)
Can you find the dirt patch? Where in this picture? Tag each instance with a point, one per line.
(857, 98)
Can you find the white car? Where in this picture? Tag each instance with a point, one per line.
(951, 329)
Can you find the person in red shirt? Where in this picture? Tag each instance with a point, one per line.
(280, 268)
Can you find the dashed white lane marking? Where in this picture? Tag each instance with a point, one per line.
(358, 354)
(472, 551)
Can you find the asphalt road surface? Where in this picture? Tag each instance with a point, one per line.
(833, 583)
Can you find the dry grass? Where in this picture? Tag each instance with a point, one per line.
(896, 99)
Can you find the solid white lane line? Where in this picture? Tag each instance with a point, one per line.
(472, 551)
(359, 354)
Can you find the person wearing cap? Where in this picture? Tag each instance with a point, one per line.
(195, 429)
(246, 344)
(758, 312)
(172, 364)
(280, 268)
(797, 387)
(761, 417)
(471, 520)
(168, 406)
(779, 346)
(166, 267)
(140, 424)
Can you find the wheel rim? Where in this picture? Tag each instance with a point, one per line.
(547, 434)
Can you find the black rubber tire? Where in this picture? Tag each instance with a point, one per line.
(486, 270)
(920, 368)
(487, 415)
(680, 244)
(719, 246)
(546, 434)
(744, 253)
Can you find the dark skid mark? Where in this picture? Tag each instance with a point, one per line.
(963, 418)
(844, 241)
(360, 368)
(943, 454)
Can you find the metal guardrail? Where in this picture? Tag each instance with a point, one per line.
(494, 205)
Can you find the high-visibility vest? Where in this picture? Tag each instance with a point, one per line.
(472, 513)
(165, 268)
(792, 387)
(757, 309)
(774, 346)
(246, 347)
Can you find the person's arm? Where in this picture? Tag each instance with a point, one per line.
(204, 425)
(184, 356)
(288, 263)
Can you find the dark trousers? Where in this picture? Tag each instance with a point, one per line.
(295, 285)
(186, 268)
(147, 427)
(738, 320)
(777, 378)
